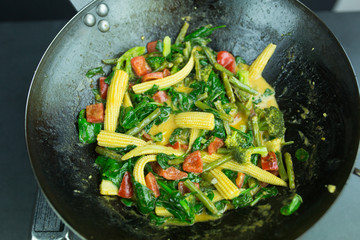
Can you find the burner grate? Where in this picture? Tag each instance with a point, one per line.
(47, 225)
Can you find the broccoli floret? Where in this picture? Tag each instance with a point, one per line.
(271, 120)
(243, 155)
(238, 139)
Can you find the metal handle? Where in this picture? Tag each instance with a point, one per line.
(79, 4)
(357, 172)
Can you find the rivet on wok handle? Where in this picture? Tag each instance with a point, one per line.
(89, 20)
(102, 10)
(104, 26)
(357, 172)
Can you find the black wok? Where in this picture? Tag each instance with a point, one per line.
(309, 70)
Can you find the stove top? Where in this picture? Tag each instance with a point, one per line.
(47, 225)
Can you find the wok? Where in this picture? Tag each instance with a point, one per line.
(309, 71)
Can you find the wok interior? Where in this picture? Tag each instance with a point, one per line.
(309, 70)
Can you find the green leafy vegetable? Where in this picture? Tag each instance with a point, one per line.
(268, 92)
(202, 32)
(293, 206)
(264, 193)
(112, 169)
(87, 131)
(95, 71)
(145, 199)
(155, 62)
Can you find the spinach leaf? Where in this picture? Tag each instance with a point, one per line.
(163, 159)
(124, 150)
(216, 88)
(179, 135)
(112, 169)
(180, 100)
(202, 32)
(145, 199)
(219, 130)
(94, 71)
(239, 59)
(264, 193)
(268, 92)
(243, 200)
(159, 46)
(108, 79)
(152, 90)
(87, 131)
(293, 206)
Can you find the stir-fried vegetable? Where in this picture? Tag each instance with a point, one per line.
(188, 133)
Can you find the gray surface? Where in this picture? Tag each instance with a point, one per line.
(22, 45)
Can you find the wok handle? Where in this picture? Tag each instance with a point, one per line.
(357, 172)
(79, 4)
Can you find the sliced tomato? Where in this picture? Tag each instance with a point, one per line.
(171, 173)
(226, 60)
(215, 145)
(126, 188)
(269, 162)
(176, 145)
(151, 46)
(95, 113)
(160, 97)
(240, 179)
(152, 76)
(193, 162)
(140, 66)
(152, 184)
(103, 87)
(166, 72)
(183, 189)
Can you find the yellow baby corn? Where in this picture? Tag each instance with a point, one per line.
(256, 172)
(224, 185)
(199, 120)
(151, 149)
(194, 133)
(247, 168)
(113, 139)
(115, 96)
(166, 81)
(139, 168)
(127, 100)
(257, 67)
(108, 188)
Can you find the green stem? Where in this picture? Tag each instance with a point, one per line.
(108, 153)
(282, 171)
(110, 61)
(220, 68)
(242, 86)
(211, 57)
(290, 170)
(144, 122)
(256, 131)
(217, 163)
(197, 66)
(202, 197)
(242, 108)
(204, 106)
(228, 88)
(182, 33)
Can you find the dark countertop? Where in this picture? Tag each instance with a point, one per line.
(22, 45)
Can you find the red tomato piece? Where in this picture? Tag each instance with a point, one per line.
(176, 145)
(171, 173)
(269, 162)
(140, 66)
(152, 184)
(151, 47)
(152, 76)
(215, 145)
(160, 97)
(227, 60)
(193, 162)
(166, 72)
(95, 113)
(240, 179)
(126, 188)
(103, 87)
(183, 189)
